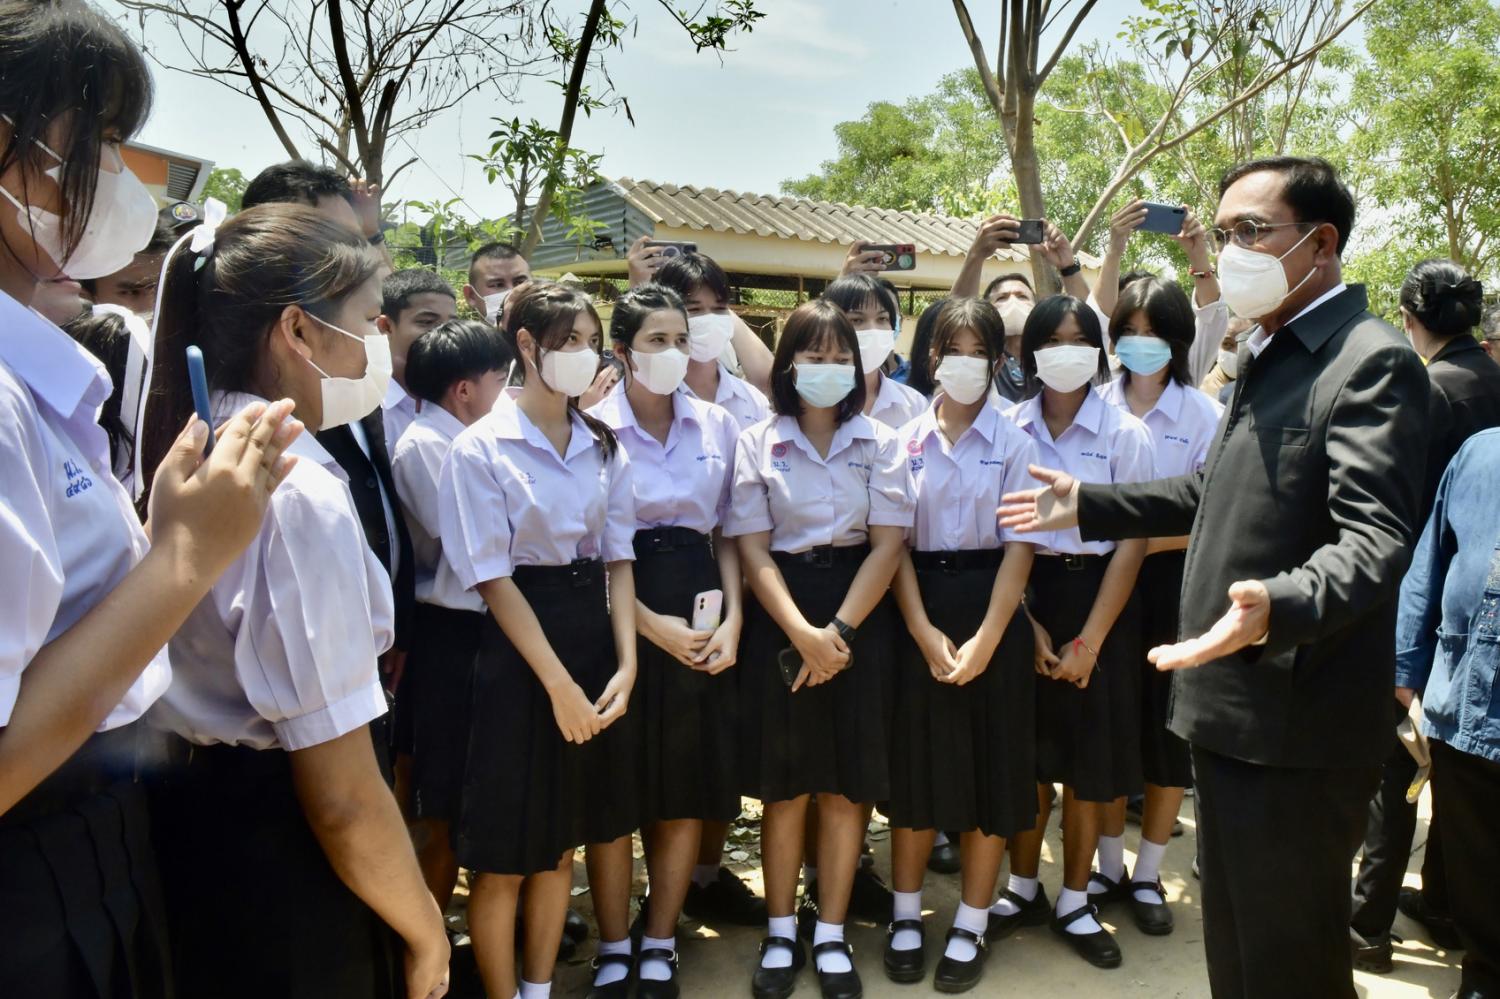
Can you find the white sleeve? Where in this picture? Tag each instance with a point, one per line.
(750, 502)
(1210, 323)
(475, 526)
(619, 518)
(29, 554)
(892, 497)
(415, 470)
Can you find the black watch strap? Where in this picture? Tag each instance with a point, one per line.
(1071, 269)
(845, 632)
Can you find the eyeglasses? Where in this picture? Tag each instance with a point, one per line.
(1247, 233)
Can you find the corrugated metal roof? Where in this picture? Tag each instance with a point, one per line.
(801, 218)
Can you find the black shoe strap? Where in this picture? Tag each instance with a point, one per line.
(659, 954)
(1017, 900)
(1086, 909)
(1155, 886)
(958, 932)
(828, 946)
(770, 942)
(600, 960)
(906, 924)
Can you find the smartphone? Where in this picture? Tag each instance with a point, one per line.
(897, 256)
(1163, 218)
(670, 248)
(706, 609)
(199, 382)
(612, 361)
(1029, 231)
(790, 663)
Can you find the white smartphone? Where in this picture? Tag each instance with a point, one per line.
(707, 607)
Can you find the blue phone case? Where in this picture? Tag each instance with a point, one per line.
(1163, 218)
(199, 382)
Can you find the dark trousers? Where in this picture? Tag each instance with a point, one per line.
(1388, 834)
(1274, 848)
(1467, 788)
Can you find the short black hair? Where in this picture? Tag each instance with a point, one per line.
(1131, 277)
(813, 324)
(958, 314)
(1443, 297)
(684, 274)
(103, 334)
(295, 182)
(989, 289)
(1170, 315)
(632, 308)
(919, 372)
(852, 291)
(1311, 188)
(398, 288)
(458, 349)
(1044, 321)
(494, 250)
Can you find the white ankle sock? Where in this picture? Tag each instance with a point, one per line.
(1025, 887)
(1067, 901)
(971, 919)
(612, 971)
(786, 928)
(535, 990)
(1111, 860)
(654, 968)
(834, 961)
(705, 874)
(908, 905)
(942, 840)
(1148, 868)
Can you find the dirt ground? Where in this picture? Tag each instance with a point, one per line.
(1032, 963)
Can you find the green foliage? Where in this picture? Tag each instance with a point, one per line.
(228, 185)
(444, 236)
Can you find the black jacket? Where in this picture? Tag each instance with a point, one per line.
(1465, 400)
(366, 477)
(1311, 486)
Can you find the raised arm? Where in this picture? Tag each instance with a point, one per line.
(995, 234)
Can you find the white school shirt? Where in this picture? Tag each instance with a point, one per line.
(1210, 322)
(1259, 338)
(68, 532)
(684, 482)
(398, 409)
(506, 498)
(957, 487)
(743, 401)
(1182, 424)
(781, 485)
(415, 467)
(1103, 445)
(281, 653)
(896, 405)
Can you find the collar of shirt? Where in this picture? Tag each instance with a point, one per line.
(1260, 338)
(985, 424)
(396, 396)
(510, 423)
(1169, 404)
(887, 395)
(440, 420)
(51, 363)
(1089, 415)
(857, 427)
(618, 414)
(223, 405)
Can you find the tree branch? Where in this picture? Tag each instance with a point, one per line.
(1063, 44)
(992, 88)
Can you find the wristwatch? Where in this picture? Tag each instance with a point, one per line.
(1071, 269)
(845, 632)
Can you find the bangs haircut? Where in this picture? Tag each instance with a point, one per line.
(959, 314)
(687, 273)
(860, 291)
(632, 309)
(457, 350)
(1170, 315)
(1044, 320)
(815, 325)
(396, 291)
(547, 310)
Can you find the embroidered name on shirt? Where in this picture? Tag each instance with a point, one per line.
(860, 464)
(1093, 454)
(711, 456)
(1175, 439)
(992, 461)
(77, 480)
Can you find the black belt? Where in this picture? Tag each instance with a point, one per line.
(959, 561)
(577, 573)
(668, 539)
(1076, 563)
(240, 762)
(105, 758)
(824, 556)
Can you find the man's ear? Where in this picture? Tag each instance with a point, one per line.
(475, 300)
(384, 324)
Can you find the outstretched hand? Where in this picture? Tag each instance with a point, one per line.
(1245, 623)
(1054, 507)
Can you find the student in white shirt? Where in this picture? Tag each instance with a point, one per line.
(963, 755)
(1088, 624)
(874, 311)
(413, 301)
(89, 604)
(536, 513)
(458, 371)
(682, 461)
(821, 498)
(275, 671)
(1152, 333)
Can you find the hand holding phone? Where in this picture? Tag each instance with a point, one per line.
(707, 607)
(894, 256)
(199, 383)
(1166, 219)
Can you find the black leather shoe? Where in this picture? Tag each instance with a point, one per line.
(778, 983)
(1098, 948)
(960, 976)
(807, 911)
(657, 988)
(905, 966)
(575, 927)
(1151, 918)
(1033, 913)
(869, 897)
(614, 990)
(945, 857)
(1372, 954)
(726, 899)
(838, 984)
(1413, 904)
(1114, 891)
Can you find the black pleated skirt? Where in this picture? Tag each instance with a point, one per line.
(435, 692)
(1165, 758)
(1088, 739)
(965, 757)
(81, 910)
(687, 719)
(834, 737)
(529, 795)
(254, 905)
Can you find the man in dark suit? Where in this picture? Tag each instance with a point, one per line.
(1301, 523)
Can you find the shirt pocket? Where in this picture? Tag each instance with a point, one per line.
(1281, 436)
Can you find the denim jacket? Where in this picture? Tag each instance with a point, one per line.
(1448, 623)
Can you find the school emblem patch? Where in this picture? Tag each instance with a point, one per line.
(778, 450)
(913, 447)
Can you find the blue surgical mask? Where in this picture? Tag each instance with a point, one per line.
(824, 385)
(1143, 355)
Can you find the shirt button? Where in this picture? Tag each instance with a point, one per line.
(370, 482)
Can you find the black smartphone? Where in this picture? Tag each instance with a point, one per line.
(199, 383)
(897, 256)
(1029, 231)
(790, 663)
(1161, 218)
(671, 248)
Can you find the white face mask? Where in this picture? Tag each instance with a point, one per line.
(1066, 368)
(570, 372)
(874, 347)
(1013, 311)
(120, 225)
(1229, 363)
(348, 400)
(1253, 283)
(493, 304)
(824, 385)
(661, 372)
(708, 334)
(964, 379)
